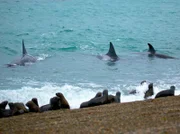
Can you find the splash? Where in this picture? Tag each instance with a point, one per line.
(43, 57)
(75, 94)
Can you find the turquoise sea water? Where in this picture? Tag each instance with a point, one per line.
(67, 35)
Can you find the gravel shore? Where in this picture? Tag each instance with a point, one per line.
(160, 115)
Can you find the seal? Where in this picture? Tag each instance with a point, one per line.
(99, 94)
(45, 108)
(35, 101)
(55, 103)
(33, 107)
(3, 104)
(154, 54)
(165, 93)
(21, 106)
(17, 108)
(111, 55)
(86, 103)
(149, 92)
(99, 100)
(3, 111)
(64, 102)
(118, 97)
(114, 99)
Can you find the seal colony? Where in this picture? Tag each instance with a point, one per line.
(59, 102)
(150, 116)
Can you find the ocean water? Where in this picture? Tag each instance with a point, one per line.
(67, 35)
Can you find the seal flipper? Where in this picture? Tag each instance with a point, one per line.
(23, 48)
(151, 49)
(112, 52)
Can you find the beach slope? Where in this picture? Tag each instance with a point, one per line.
(160, 115)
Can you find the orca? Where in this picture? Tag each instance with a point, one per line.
(26, 58)
(154, 54)
(111, 55)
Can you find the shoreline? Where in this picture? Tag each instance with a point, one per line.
(160, 115)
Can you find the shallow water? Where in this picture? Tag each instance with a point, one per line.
(66, 36)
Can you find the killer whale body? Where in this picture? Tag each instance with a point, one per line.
(24, 59)
(153, 53)
(111, 55)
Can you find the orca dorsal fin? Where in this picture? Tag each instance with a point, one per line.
(23, 48)
(111, 52)
(151, 49)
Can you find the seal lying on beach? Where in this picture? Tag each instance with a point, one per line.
(35, 101)
(154, 54)
(3, 104)
(33, 105)
(165, 93)
(86, 103)
(99, 94)
(17, 108)
(111, 55)
(45, 108)
(96, 100)
(63, 101)
(99, 100)
(149, 92)
(114, 99)
(3, 111)
(54, 104)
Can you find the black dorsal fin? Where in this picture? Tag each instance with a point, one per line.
(111, 52)
(23, 48)
(151, 49)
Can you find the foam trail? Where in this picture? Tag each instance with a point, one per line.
(42, 57)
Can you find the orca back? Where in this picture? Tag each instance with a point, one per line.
(24, 52)
(112, 52)
(151, 49)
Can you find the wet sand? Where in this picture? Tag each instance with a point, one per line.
(150, 116)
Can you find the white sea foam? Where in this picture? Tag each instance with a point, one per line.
(49, 35)
(74, 94)
(42, 57)
(141, 89)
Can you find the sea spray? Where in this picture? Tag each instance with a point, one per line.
(73, 93)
